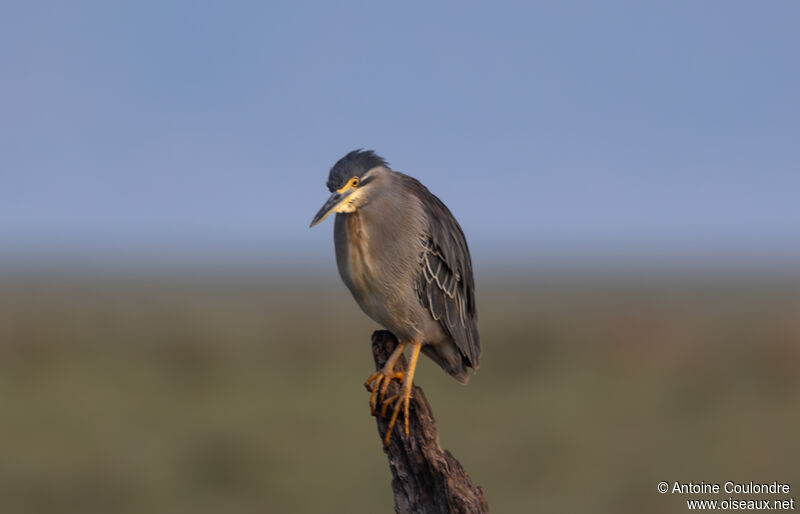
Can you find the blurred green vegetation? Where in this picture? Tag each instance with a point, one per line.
(136, 396)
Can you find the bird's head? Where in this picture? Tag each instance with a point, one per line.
(349, 182)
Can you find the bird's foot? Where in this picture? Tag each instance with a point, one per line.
(379, 381)
(401, 402)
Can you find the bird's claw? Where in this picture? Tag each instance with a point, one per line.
(387, 402)
(401, 402)
(380, 380)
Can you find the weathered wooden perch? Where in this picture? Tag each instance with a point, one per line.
(426, 479)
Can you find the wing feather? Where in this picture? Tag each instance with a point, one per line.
(446, 285)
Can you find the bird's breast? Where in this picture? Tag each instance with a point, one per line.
(361, 269)
(354, 256)
(377, 251)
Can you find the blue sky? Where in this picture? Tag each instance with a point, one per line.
(559, 129)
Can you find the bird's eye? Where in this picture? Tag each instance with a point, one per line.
(354, 182)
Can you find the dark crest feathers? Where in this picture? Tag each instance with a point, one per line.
(355, 163)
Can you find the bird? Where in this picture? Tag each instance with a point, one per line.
(405, 259)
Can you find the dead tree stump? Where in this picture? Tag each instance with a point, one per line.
(425, 478)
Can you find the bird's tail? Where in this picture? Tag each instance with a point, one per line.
(449, 358)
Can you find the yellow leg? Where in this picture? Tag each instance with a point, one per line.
(403, 400)
(385, 376)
